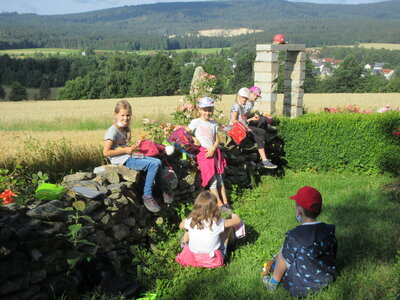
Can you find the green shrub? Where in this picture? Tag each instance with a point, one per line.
(361, 143)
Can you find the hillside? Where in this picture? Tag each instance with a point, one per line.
(151, 26)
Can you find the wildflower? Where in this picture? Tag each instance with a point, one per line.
(153, 121)
(7, 197)
(143, 136)
(146, 120)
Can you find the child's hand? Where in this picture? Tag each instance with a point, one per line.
(210, 152)
(135, 147)
(129, 149)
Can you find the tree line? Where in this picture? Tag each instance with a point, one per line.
(169, 26)
(170, 73)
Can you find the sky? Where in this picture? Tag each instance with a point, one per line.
(55, 7)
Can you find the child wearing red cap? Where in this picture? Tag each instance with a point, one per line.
(306, 260)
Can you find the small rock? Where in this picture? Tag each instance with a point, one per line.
(120, 232)
(48, 211)
(8, 287)
(130, 222)
(78, 176)
(115, 196)
(38, 276)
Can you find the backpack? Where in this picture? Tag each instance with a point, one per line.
(238, 132)
(183, 141)
(149, 148)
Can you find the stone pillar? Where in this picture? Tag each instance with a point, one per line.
(293, 84)
(266, 72)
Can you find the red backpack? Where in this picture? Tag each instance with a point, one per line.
(184, 141)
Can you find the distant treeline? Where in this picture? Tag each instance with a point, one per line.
(169, 26)
(169, 73)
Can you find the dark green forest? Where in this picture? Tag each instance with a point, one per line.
(168, 26)
(168, 73)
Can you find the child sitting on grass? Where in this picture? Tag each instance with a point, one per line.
(207, 234)
(306, 260)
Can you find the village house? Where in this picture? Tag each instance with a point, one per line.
(377, 69)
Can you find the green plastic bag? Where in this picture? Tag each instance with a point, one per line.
(49, 191)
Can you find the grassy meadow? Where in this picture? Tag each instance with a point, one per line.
(364, 208)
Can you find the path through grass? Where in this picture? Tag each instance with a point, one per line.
(365, 209)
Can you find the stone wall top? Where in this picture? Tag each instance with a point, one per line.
(280, 47)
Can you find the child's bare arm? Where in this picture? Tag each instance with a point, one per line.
(182, 224)
(211, 151)
(233, 221)
(108, 151)
(234, 117)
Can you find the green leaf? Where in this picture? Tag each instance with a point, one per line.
(74, 229)
(87, 218)
(79, 205)
(67, 209)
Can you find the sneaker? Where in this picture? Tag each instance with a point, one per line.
(266, 281)
(151, 204)
(268, 164)
(168, 198)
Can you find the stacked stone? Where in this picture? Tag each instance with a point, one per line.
(32, 258)
(293, 84)
(34, 240)
(266, 72)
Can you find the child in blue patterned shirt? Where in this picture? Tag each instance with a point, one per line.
(306, 260)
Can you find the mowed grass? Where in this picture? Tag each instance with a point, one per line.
(365, 210)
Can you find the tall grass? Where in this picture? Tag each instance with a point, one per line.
(57, 158)
(365, 210)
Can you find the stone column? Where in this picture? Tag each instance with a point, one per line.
(266, 72)
(293, 85)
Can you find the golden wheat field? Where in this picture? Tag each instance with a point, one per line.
(25, 123)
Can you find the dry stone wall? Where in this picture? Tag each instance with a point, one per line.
(36, 252)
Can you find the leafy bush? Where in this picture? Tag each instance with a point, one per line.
(361, 143)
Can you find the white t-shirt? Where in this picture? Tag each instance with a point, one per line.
(204, 131)
(119, 140)
(205, 240)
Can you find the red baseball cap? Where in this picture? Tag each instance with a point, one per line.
(306, 197)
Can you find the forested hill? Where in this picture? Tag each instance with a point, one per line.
(175, 25)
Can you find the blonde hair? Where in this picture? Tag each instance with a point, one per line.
(123, 104)
(205, 209)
